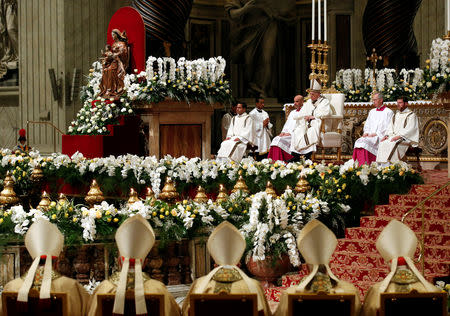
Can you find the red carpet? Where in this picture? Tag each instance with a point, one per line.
(356, 259)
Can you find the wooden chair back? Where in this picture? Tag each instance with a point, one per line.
(55, 306)
(413, 304)
(311, 304)
(223, 305)
(154, 303)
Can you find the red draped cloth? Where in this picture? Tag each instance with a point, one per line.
(276, 153)
(363, 156)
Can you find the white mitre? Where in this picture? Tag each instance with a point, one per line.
(42, 239)
(398, 240)
(226, 246)
(314, 85)
(316, 242)
(135, 238)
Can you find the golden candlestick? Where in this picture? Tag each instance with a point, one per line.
(200, 197)
(313, 65)
(240, 185)
(302, 185)
(62, 199)
(37, 174)
(222, 196)
(270, 190)
(324, 67)
(133, 197)
(8, 196)
(150, 195)
(169, 193)
(373, 58)
(95, 195)
(44, 204)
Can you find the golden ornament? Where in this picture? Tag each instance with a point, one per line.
(133, 198)
(270, 190)
(8, 196)
(302, 185)
(240, 185)
(95, 195)
(200, 197)
(222, 196)
(169, 193)
(44, 204)
(62, 199)
(37, 174)
(149, 194)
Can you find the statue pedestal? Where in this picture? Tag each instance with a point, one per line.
(178, 128)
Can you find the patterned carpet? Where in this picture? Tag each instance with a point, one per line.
(356, 259)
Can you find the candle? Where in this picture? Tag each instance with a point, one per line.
(448, 15)
(325, 26)
(313, 19)
(319, 29)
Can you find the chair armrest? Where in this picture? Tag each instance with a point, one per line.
(332, 117)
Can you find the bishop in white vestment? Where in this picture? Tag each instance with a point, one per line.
(397, 244)
(307, 133)
(402, 133)
(263, 127)
(240, 133)
(281, 146)
(378, 120)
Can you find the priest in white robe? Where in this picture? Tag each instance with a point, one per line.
(307, 133)
(240, 133)
(317, 243)
(226, 246)
(378, 120)
(263, 128)
(397, 244)
(281, 147)
(403, 131)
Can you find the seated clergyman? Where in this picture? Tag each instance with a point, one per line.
(316, 244)
(396, 244)
(135, 238)
(403, 131)
(307, 133)
(240, 133)
(45, 242)
(226, 246)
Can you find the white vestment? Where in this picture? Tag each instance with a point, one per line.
(307, 134)
(226, 120)
(406, 125)
(377, 123)
(285, 142)
(262, 134)
(243, 129)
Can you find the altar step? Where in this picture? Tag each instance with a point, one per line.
(356, 258)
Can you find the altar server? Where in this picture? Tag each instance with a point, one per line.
(378, 120)
(135, 238)
(281, 147)
(317, 243)
(44, 242)
(396, 244)
(226, 246)
(240, 133)
(263, 128)
(403, 131)
(307, 133)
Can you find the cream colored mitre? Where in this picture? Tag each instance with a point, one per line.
(315, 86)
(398, 240)
(316, 242)
(226, 244)
(135, 238)
(42, 239)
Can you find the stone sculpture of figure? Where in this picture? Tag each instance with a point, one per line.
(114, 63)
(8, 36)
(254, 41)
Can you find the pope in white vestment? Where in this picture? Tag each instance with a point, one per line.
(263, 127)
(396, 244)
(307, 133)
(240, 133)
(378, 120)
(401, 133)
(281, 146)
(44, 241)
(226, 246)
(316, 243)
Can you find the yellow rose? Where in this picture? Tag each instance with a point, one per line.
(173, 212)
(401, 173)
(188, 208)
(108, 219)
(107, 213)
(167, 213)
(53, 204)
(193, 215)
(24, 174)
(98, 214)
(116, 220)
(1, 220)
(339, 190)
(66, 215)
(75, 219)
(185, 202)
(358, 173)
(54, 216)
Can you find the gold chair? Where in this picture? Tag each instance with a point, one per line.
(311, 304)
(223, 305)
(56, 306)
(331, 128)
(413, 304)
(154, 303)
